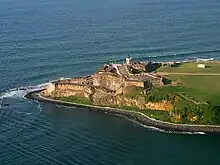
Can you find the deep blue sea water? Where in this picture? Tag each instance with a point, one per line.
(42, 40)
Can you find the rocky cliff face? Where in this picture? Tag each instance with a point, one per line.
(142, 104)
(101, 97)
(107, 99)
(106, 90)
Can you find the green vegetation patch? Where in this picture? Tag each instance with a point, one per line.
(129, 108)
(160, 94)
(190, 113)
(133, 92)
(191, 68)
(75, 99)
(156, 114)
(201, 88)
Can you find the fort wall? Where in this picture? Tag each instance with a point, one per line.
(77, 80)
(71, 86)
(134, 83)
(108, 81)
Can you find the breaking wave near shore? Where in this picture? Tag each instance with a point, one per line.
(20, 92)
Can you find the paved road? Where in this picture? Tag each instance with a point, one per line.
(195, 74)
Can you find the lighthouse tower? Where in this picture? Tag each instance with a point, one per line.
(128, 60)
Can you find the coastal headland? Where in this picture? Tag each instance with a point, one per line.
(173, 96)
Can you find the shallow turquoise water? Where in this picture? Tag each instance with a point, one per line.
(44, 40)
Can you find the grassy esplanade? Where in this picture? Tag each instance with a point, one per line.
(198, 90)
(191, 67)
(196, 83)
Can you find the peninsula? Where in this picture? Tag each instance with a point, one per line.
(176, 96)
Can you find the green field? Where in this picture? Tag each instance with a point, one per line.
(191, 68)
(75, 99)
(201, 88)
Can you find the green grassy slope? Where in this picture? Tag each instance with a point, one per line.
(203, 88)
(191, 68)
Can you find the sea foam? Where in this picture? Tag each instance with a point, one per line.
(20, 92)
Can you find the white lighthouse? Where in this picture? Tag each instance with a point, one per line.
(128, 60)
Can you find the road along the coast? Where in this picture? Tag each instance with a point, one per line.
(134, 115)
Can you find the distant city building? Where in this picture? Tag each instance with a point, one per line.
(172, 63)
(204, 59)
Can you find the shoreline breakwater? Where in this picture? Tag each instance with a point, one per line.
(133, 115)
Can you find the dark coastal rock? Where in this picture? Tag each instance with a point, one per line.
(2, 103)
(137, 116)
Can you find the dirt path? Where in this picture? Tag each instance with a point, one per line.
(195, 74)
(188, 99)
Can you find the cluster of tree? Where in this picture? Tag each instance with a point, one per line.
(205, 113)
(156, 95)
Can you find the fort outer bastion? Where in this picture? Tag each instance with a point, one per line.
(105, 86)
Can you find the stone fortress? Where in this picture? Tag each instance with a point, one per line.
(109, 81)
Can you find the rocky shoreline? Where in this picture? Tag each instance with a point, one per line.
(137, 116)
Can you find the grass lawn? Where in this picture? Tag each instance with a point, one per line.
(191, 68)
(158, 115)
(202, 88)
(75, 99)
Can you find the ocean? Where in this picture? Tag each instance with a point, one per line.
(45, 40)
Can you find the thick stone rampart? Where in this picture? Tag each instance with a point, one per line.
(71, 86)
(77, 80)
(108, 81)
(101, 88)
(134, 83)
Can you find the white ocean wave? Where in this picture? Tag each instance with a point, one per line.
(63, 106)
(39, 107)
(20, 92)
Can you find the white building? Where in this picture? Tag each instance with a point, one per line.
(204, 59)
(128, 60)
(201, 66)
